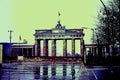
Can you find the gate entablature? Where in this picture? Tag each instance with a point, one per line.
(59, 32)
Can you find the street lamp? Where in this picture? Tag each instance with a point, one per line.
(93, 30)
(108, 49)
(10, 31)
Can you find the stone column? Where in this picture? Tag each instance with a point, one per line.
(53, 48)
(37, 47)
(32, 52)
(27, 52)
(84, 56)
(36, 50)
(45, 48)
(65, 47)
(22, 52)
(92, 50)
(82, 46)
(73, 47)
(103, 52)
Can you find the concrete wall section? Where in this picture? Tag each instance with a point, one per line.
(1, 52)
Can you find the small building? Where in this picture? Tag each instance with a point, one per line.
(22, 50)
(6, 49)
(95, 50)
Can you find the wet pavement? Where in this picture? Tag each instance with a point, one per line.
(52, 71)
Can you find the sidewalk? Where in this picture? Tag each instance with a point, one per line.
(103, 72)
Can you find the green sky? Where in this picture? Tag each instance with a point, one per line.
(24, 16)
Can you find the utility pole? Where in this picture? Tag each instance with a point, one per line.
(10, 37)
(93, 34)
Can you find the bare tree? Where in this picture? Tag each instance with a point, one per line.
(112, 20)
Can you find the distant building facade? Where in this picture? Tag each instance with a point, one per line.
(95, 50)
(22, 50)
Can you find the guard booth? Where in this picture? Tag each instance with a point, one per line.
(24, 50)
(6, 49)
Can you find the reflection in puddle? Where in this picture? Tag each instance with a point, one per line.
(39, 70)
(45, 71)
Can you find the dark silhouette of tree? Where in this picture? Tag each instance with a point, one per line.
(110, 19)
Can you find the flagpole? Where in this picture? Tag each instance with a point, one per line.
(59, 16)
(19, 44)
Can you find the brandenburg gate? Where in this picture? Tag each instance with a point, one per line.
(58, 33)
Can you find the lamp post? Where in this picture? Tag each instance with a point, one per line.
(93, 30)
(10, 49)
(108, 49)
